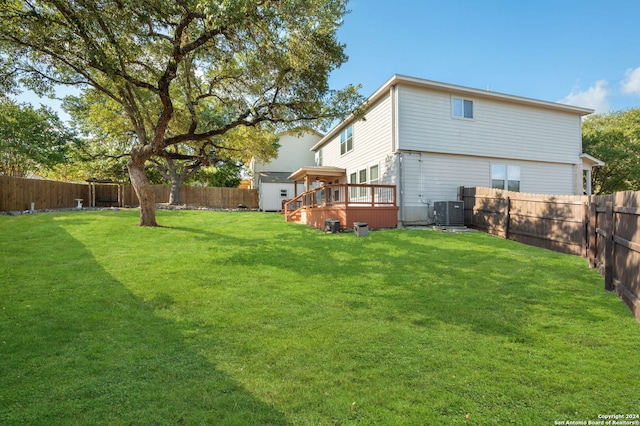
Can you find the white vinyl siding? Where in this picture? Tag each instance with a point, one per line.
(437, 177)
(294, 152)
(498, 129)
(372, 142)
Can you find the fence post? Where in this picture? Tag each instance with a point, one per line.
(593, 234)
(585, 228)
(608, 247)
(507, 219)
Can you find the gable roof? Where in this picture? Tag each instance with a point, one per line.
(318, 173)
(453, 89)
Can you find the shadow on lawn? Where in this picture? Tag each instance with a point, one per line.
(78, 348)
(480, 282)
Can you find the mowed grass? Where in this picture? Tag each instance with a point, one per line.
(242, 319)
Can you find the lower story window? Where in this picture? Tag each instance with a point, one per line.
(362, 179)
(353, 179)
(373, 174)
(505, 177)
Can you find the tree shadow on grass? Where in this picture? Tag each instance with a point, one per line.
(480, 282)
(78, 348)
(391, 299)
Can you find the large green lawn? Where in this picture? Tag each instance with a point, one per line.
(243, 319)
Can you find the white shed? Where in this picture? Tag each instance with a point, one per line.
(274, 188)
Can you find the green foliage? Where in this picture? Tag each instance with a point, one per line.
(31, 140)
(615, 139)
(243, 319)
(175, 68)
(226, 175)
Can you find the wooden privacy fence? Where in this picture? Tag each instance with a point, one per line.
(18, 193)
(605, 229)
(555, 222)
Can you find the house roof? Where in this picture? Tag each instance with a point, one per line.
(300, 130)
(274, 177)
(318, 173)
(454, 89)
(591, 161)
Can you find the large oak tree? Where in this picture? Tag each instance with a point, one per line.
(108, 139)
(263, 62)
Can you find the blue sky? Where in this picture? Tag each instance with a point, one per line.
(585, 53)
(580, 52)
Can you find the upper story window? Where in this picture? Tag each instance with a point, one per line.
(462, 108)
(505, 177)
(346, 140)
(319, 157)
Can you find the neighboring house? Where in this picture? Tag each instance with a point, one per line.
(271, 178)
(429, 138)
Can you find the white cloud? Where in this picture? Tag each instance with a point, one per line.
(631, 83)
(595, 97)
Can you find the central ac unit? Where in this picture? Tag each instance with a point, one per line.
(449, 213)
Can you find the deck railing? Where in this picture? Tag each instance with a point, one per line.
(356, 195)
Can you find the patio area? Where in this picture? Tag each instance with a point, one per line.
(334, 199)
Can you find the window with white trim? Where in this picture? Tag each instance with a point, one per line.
(462, 108)
(362, 179)
(373, 175)
(353, 178)
(505, 177)
(374, 179)
(319, 157)
(346, 140)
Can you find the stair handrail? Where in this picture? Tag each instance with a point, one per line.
(288, 213)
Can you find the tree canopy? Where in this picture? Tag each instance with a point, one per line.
(32, 140)
(175, 68)
(615, 139)
(109, 139)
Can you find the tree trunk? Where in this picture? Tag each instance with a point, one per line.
(174, 194)
(144, 191)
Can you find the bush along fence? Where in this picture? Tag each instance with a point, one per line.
(604, 229)
(19, 194)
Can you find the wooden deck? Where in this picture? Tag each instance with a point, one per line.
(346, 203)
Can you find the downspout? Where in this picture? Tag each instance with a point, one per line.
(422, 194)
(393, 93)
(401, 189)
